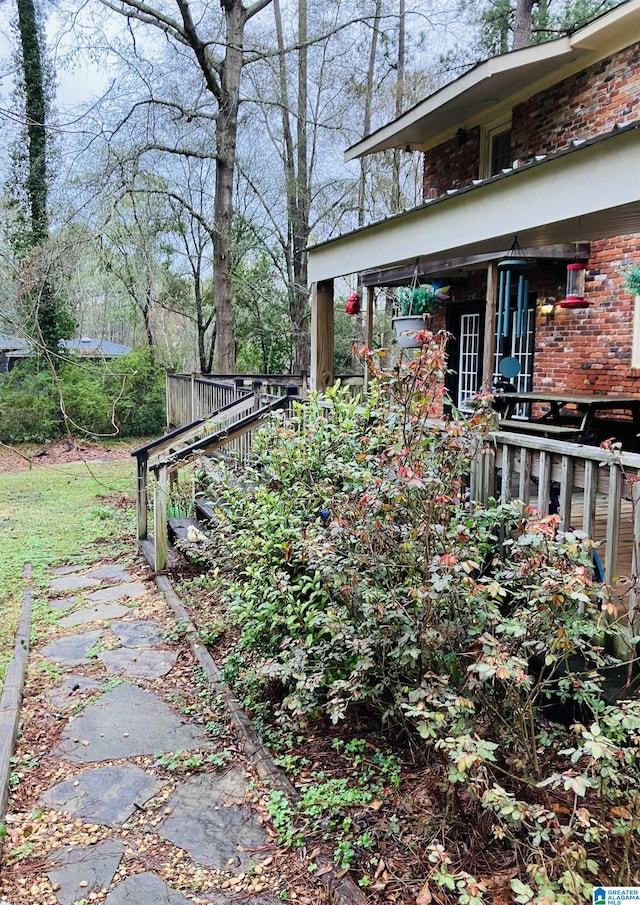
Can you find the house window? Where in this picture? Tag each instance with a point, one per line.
(500, 152)
(496, 154)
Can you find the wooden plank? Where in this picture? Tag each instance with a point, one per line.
(631, 461)
(11, 699)
(566, 492)
(405, 273)
(524, 484)
(544, 483)
(489, 327)
(590, 491)
(160, 536)
(538, 427)
(508, 456)
(613, 523)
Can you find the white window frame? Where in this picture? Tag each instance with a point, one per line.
(489, 133)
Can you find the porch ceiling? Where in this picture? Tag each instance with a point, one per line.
(583, 194)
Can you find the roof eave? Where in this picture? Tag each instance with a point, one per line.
(548, 62)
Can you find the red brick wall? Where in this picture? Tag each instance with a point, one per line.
(589, 349)
(451, 165)
(582, 106)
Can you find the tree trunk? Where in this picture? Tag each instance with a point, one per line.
(226, 147)
(35, 110)
(300, 306)
(50, 323)
(297, 189)
(522, 24)
(395, 184)
(368, 102)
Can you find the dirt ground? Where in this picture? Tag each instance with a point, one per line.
(62, 452)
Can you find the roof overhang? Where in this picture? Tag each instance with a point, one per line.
(580, 195)
(500, 82)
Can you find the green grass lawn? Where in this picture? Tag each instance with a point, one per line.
(53, 515)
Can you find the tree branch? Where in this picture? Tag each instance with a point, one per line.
(133, 9)
(208, 65)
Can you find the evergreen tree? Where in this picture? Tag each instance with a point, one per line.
(46, 315)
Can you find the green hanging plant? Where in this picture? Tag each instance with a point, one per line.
(632, 279)
(421, 299)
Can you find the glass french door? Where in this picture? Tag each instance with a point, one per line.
(465, 322)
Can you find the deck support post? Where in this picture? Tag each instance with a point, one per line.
(490, 327)
(142, 464)
(368, 330)
(160, 533)
(322, 335)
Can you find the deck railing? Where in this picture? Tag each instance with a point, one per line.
(591, 489)
(192, 396)
(230, 428)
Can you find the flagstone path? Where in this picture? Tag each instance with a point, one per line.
(126, 794)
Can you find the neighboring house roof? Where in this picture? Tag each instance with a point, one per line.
(499, 83)
(94, 347)
(13, 344)
(85, 346)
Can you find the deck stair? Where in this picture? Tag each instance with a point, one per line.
(229, 429)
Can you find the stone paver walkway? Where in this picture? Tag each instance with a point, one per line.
(124, 794)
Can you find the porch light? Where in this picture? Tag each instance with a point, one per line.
(575, 287)
(546, 307)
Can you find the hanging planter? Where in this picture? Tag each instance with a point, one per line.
(407, 326)
(416, 305)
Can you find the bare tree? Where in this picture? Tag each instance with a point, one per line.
(221, 76)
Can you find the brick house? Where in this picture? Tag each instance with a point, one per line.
(539, 146)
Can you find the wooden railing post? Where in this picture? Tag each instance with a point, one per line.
(160, 532)
(257, 394)
(142, 462)
(482, 474)
(613, 523)
(169, 395)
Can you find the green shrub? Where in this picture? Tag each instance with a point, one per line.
(120, 397)
(362, 581)
(139, 385)
(29, 405)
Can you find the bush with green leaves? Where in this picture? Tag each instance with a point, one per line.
(29, 406)
(119, 397)
(362, 580)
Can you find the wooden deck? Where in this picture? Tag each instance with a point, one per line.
(591, 489)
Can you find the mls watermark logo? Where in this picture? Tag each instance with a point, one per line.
(616, 895)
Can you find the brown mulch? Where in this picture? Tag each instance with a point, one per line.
(62, 452)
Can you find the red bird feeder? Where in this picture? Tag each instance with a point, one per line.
(575, 287)
(353, 304)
